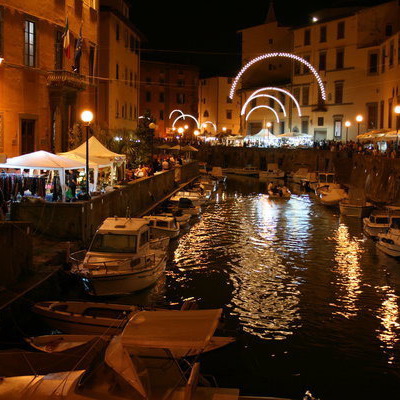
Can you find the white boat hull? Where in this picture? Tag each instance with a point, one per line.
(265, 176)
(160, 232)
(374, 231)
(123, 283)
(392, 250)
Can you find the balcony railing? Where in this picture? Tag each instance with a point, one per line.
(66, 79)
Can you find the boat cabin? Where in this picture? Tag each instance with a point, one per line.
(121, 235)
(326, 177)
(162, 222)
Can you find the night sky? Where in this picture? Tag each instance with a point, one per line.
(204, 33)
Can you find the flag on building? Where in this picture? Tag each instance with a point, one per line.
(78, 52)
(66, 40)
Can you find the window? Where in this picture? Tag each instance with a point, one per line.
(228, 100)
(130, 78)
(148, 81)
(372, 115)
(229, 81)
(270, 41)
(162, 81)
(282, 98)
(126, 39)
(389, 30)
(305, 96)
(148, 97)
(116, 31)
(320, 121)
(390, 106)
(116, 108)
(271, 102)
(322, 34)
(340, 59)
(134, 112)
(338, 92)
(180, 98)
(116, 71)
(296, 93)
(130, 111)
(337, 128)
(206, 114)
(322, 62)
(382, 114)
(132, 43)
(105, 243)
(304, 125)
(297, 68)
(30, 44)
(161, 116)
(123, 111)
(305, 69)
(383, 60)
(144, 238)
(391, 54)
(228, 114)
(58, 50)
(91, 63)
(161, 98)
(181, 82)
(253, 103)
(126, 76)
(282, 127)
(340, 30)
(373, 63)
(307, 37)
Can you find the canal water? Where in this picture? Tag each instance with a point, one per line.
(313, 304)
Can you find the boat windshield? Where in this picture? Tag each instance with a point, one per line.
(395, 223)
(382, 220)
(330, 178)
(111, 243)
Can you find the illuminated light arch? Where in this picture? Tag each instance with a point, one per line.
(280, 90)
(174, 111)
(252, 97)
(269, 108)
(183, 116)
(272, 55)
(210, 123)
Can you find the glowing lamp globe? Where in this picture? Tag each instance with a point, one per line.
(180, 130)
(224, 129)
(1, 60)
(347, 124)
(186, 126)
(196, 132)
(269, 124)
(152, 125)
(359, 118)
(397, 109)
(87, 116)
(204, 125)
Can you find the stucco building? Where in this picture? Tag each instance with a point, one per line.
(165, 87)
(40, 95)
(216, 110)
(356, 53)
(119, 68)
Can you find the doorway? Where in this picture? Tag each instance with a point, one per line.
(27, 136)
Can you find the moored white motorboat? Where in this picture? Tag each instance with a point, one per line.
(331, 196)
(282, 193)
(301, 174)
(321, 179)
(355, 209)
(185, 206)
(247, 171)
(272, 172)
(217, 174)
(163, 225)
(120, 259)
(389, 242)
(182, 219)
(379, 221)
(195, 196)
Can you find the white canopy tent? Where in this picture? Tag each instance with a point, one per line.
(98, 154)
(42, 160)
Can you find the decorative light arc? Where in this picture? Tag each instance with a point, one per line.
(183, 116)
(211, 123)
(252, 97)
(269, 108)
(174, 111)
(273, 55)
(271, 88)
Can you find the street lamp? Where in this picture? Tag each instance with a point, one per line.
(359, 119)
(347, 124)
(87, 118)
(268, 126)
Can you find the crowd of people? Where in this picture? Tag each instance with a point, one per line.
(158, 163)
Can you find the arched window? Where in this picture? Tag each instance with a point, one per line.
(205, 114)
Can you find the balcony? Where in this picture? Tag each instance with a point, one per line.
(66, 80)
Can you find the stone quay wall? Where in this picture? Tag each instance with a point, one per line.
(15, 250)
(79, 220)
(375, 177)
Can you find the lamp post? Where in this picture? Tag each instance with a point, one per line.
(152, 126)
(359, 119)
(268, 127)
(397, 112)
(87, 118)
(347, 124)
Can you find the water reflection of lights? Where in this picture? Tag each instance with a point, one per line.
(347, 257)
(388, 314)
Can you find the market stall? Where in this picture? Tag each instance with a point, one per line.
(38, 161)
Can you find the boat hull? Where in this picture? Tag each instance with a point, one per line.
(355, 211)
(123, 283)
(392, 250)
(160, 232)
